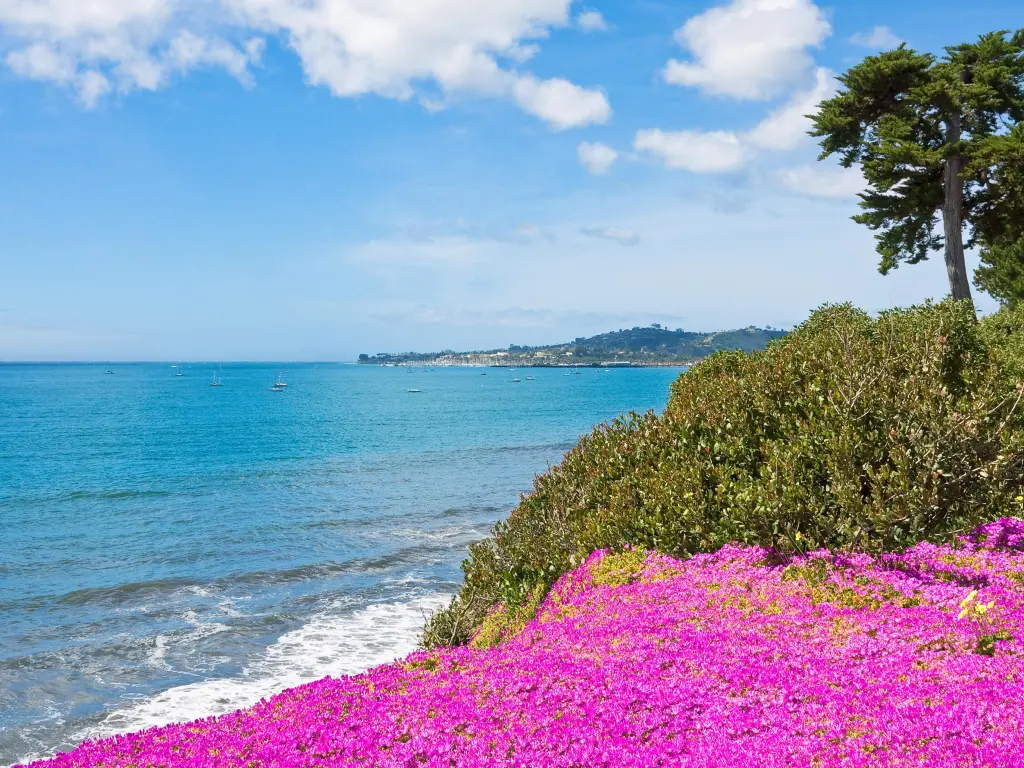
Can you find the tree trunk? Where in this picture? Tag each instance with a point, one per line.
(953, 216)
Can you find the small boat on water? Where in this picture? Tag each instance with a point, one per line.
(414, 391)
(179, 366)
(515, 381)
(530, 378)
(216, 381)
(279, 382)
(109, 372)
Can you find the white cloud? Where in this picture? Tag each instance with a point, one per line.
(597, 158)
(823, 181)
(560, 103)
(698, 151)
(787, 127)
(591, 21)
(750, 49)
(352, 47)
(188, 51)
(91, 46)
(41, 62)
(880, 38)
(619, 235)
(722, 151)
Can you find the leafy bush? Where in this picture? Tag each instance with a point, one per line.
(852, 432)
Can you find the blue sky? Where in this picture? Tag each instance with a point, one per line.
(312, 179)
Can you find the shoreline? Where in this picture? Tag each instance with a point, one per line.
(563, 366)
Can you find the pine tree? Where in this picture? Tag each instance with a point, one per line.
(918, 126)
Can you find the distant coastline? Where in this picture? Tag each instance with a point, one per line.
(442, 363)
(651, 347)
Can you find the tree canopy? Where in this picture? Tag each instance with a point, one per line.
(935, 136)
(1001, 216)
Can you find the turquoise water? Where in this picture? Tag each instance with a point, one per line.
(172, 550)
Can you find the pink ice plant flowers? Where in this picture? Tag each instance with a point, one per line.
(730, 659)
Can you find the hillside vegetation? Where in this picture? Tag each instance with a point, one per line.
(636, 660)
(851, 433)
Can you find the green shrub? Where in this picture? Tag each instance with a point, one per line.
(852, 432)
(506, 621)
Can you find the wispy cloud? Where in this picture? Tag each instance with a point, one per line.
(620, 235)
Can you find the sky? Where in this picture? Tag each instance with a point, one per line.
(315, 179)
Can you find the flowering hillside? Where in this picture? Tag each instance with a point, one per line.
(730, 659)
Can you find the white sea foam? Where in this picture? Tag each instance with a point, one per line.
(329, 644)
(156, 657)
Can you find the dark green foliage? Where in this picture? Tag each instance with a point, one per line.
(1003, 333)
(1001, 273)
(922, 129)
(1000, 211)
(852, 432)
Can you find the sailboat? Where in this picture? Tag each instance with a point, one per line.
(278, 385)
(216, 381)
(179, 373)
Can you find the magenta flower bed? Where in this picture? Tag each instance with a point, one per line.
(723, 660)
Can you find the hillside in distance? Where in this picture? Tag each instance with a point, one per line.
(651, 345)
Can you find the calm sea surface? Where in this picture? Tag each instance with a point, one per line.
(171, 550)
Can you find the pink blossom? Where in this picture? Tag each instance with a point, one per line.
(730, 659)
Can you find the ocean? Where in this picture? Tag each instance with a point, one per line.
(171, 550)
